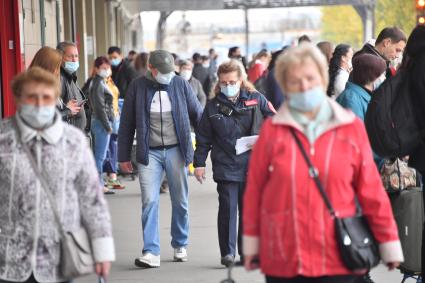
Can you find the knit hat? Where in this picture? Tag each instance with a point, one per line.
(367, 68)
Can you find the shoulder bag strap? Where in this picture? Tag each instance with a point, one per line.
(44, 185)
(314, 173)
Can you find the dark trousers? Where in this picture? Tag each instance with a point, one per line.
(325, 279)
(423, 228)
(111, 160)
(230, 197)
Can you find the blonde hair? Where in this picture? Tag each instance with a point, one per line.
(37, 75)
(299, 55)
(47, 58)
(230, 67)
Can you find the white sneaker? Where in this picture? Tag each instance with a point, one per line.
(180, 254)
(148, 260)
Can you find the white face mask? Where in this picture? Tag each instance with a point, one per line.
(377, 83)
(186, 74)
(37, 117)
(104, 73)
(164, 79)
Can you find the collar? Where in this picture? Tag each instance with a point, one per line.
(243, 95)
(375, 51)
(154, 84)
(340, 116)
(364, 93)
(68, 76)
(51, 134)
(323, 115)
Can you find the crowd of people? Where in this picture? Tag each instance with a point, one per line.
(283, 176)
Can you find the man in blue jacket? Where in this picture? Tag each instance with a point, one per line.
(159, 108)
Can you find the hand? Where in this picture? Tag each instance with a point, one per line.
(103, 268)
(200, 174)
(110, 132)
(126, 167)
(251, 262)
(73, 106)
(393, 265)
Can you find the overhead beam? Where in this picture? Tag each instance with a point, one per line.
(186, 5)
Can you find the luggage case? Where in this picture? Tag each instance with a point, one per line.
(408, 209)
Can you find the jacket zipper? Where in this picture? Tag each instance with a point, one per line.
(37, 205)
(160, 111)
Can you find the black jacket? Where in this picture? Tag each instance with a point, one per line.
(219, 131)
(369, 49)
(123, 75)
(69, 91)
(101, 98)
(416, 75)
(202, 74)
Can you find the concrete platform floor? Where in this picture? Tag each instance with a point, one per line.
(204, 257)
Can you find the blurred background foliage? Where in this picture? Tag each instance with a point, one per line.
(342, 24)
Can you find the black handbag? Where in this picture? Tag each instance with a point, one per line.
(357, 246)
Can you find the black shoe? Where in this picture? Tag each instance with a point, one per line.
(228, 260)
(367, 278)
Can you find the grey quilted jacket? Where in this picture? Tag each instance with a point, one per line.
(29, 238)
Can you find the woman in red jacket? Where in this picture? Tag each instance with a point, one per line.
(287, 226)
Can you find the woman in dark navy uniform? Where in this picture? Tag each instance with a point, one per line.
(237, 111)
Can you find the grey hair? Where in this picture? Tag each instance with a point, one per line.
(183, 63)
(296, 56)
(63, 45)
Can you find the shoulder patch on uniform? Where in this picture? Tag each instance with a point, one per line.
(251, 102)
(271, 107)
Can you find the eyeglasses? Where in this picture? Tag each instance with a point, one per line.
(224, 84)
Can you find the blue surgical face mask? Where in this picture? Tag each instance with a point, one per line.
(308, 100)
(377, 83)
(37, 117)
(230, 90)
(115, 62)
(164, 79)
(71, 67)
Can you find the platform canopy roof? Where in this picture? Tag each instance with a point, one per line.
(136, 6)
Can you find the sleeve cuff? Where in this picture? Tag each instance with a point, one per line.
(391, 252)
(251, 245)
(103, 249)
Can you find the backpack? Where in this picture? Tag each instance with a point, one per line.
(390, 120)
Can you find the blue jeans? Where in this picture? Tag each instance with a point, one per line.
(171, 162)
(100, 145)
(111, 160)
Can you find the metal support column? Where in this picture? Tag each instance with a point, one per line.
(81, 23)
(367, 14)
